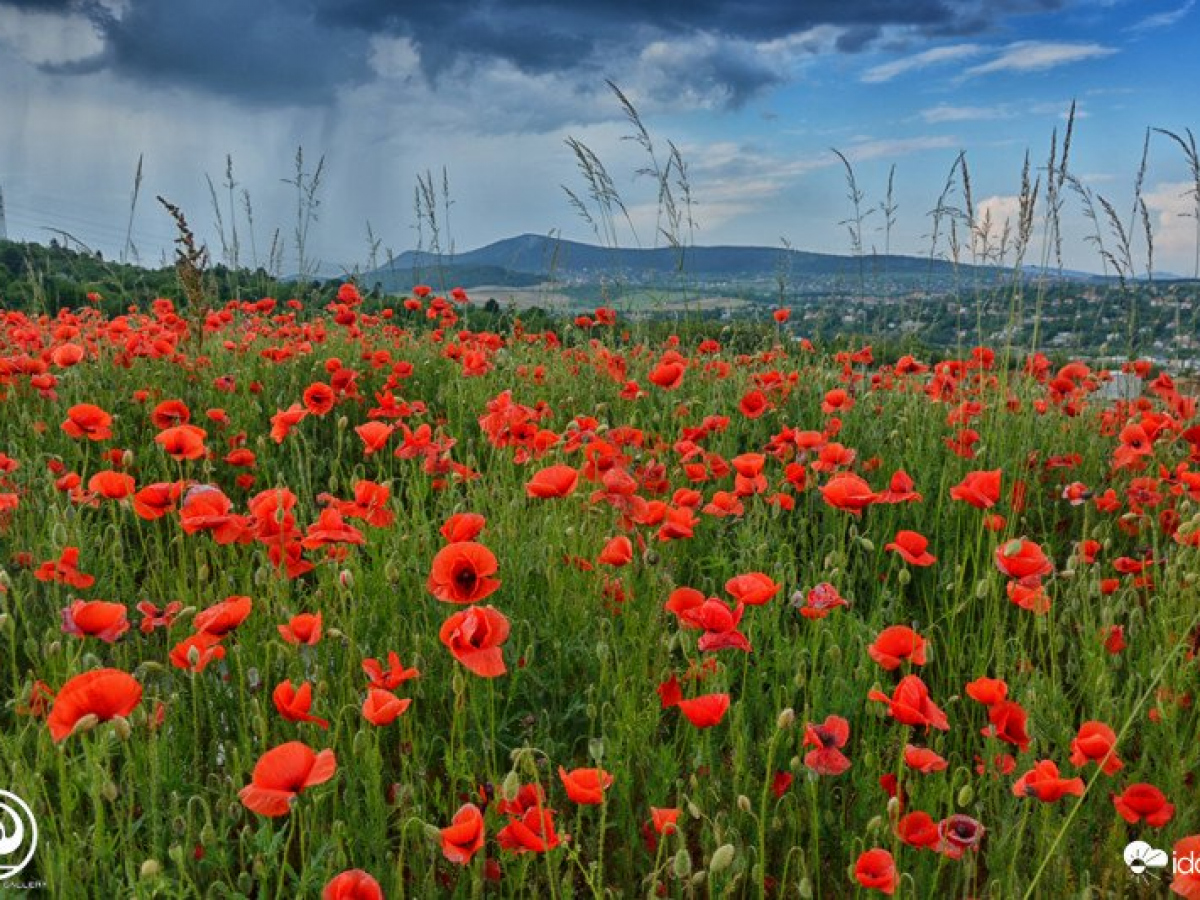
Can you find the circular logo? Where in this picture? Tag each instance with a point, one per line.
(18, 835)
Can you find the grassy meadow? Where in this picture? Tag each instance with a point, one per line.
(665, 618)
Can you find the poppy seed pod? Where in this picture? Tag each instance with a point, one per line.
(150, 869)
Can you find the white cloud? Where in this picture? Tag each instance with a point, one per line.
(1164, 19)
(944, 112)
(1038, 56)
(925, 59)
(1173, 206)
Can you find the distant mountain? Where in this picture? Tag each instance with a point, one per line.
(544, 258)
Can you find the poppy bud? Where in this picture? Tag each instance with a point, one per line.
(693, 810)
(245, 883)
(982, 589)
(433, 834)
(151, 868)
(53, 648)
(346, 579)
(511, 786)
(965, 795)
(176, 854)
(208, 834)
(58, 534)
(834, 655)
(109, 791)
(596, 749)
(699, 878)
(121, 727)
(602, 652)
(86, 723)
(867, 544)
(893, 810)
(683, 863)
(786, 719)
(126, 459)
(875, 823)
(805, 888)
(391, 572)
(203, 573)
(334, 481)
(359, 743)
(458, 683)
(904, 576)
(722, 858)
(743, 803)
(193, 656)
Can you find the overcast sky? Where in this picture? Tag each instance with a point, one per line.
(755, 93)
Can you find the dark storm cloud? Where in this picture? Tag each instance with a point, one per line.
(279, 52)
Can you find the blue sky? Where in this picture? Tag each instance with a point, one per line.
(755, 95)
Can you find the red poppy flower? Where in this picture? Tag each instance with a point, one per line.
(668, 375)
(331, 528)
(391, 678)
(1143, 802)
(464, 836)
(111, 485)
(353, 884)
(282, 773)
(194, 653)
(664, 820)
(224, 616)
(753, 588)
(819, 601)
(910, 704)
(1043, 782)
(987, 690)
(319, 398)
(848, 492)
(585, 786)
(294, 704)
(156, 500)
(913, 548)
(917, 829)
(980, 489)
(553, 481)
(65, 570)
(374, 436)
(382, 707)
(897, 644)
(1008, 720)
(532, 832)
(95, 618)
(474, 637)
(959, 833)
(923, 759)
(285, 420)
(1029, 593)
(617, 552)
(170, 413)
(705, 711)
(463, 527)
(304, 628)
(85, 420)
(876, 869)
(103, 693)
(461, 573)
(1097, 743)
(828, 738)
(1021, 558)
(183, 442)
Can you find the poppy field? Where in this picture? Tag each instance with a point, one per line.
(360, 603)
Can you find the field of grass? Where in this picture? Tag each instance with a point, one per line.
(661, 618)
